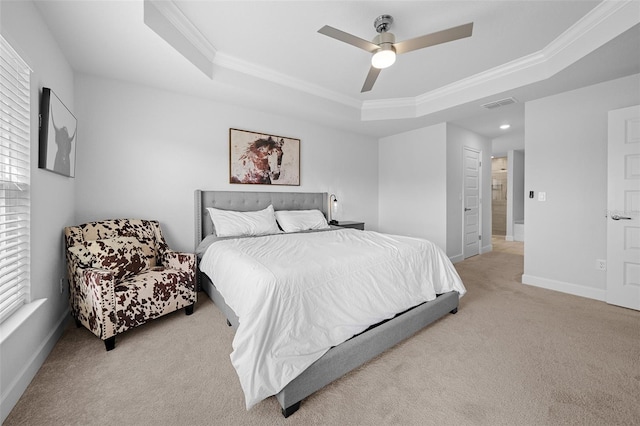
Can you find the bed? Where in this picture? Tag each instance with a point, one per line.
(347, 353)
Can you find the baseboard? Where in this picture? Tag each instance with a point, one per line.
(564, 287)
(486, 249)
(509, 238)
(13, 391)
(457, 258)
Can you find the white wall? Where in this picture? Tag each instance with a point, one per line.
(26, 342)
(412, 184)
(421, 182)
(144, 151)
(457, 139)
(566, 157)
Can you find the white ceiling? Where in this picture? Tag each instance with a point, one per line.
(269, 55)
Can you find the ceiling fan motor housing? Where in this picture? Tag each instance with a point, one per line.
(382, 23)
(383, 38)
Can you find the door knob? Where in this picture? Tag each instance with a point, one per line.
(618, 217)
(467, 209)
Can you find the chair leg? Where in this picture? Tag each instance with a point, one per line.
(110, 343)
(189, 309)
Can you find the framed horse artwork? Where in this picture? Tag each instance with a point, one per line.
(259, 158)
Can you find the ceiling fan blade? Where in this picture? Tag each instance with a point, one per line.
(432, 39)
(348, 38)
(371, 79)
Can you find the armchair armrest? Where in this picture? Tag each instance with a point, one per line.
(95, 300)
(179, 260)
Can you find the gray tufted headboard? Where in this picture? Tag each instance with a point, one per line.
(250, 201)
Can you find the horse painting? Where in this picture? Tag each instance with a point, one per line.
(260, 163)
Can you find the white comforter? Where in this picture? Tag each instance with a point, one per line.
(297, 295)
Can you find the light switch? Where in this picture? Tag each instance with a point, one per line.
(542, 196)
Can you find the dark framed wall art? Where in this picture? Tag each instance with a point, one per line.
(58, 132)
(260, 158)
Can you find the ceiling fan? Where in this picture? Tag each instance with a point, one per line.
(385, 48)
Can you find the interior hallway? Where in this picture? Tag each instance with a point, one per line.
(500, 244)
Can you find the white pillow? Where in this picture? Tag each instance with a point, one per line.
(228, 223)
(301, 220)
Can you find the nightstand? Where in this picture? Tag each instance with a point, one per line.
(349, 224)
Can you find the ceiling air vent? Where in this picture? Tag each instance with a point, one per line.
(499, 103)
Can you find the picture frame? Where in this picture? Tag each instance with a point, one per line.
(58, 135)
(263, 159)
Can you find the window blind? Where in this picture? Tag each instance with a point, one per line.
(15, 119)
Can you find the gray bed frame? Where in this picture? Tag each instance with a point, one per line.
(341, 359)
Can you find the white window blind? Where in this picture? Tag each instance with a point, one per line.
(14, 180)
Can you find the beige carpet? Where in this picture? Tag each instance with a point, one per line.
(513, 355)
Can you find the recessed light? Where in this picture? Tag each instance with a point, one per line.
(505, 126)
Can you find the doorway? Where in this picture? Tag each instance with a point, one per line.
(499, 181)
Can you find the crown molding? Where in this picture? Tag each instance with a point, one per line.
(605, 22)
(175, 18)
(235, 64)
(453, 94)
(169, 22)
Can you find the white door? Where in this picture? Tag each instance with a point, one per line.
(623, 216)
(471, 234)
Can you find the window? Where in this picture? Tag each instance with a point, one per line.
(14, 180)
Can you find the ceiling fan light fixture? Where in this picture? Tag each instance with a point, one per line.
(384, 47)
(383, 57)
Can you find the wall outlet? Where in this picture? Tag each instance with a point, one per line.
(601, 264)
(542, 196)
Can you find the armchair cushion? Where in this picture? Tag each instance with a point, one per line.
(124, 256)
(151, 294)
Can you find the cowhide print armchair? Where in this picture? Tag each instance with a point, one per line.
(122, 274)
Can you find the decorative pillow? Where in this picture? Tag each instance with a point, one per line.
(122, 255)
(228, 223)
(141, 230)
(301, 220)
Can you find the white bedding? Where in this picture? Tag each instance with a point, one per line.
(297, 295)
